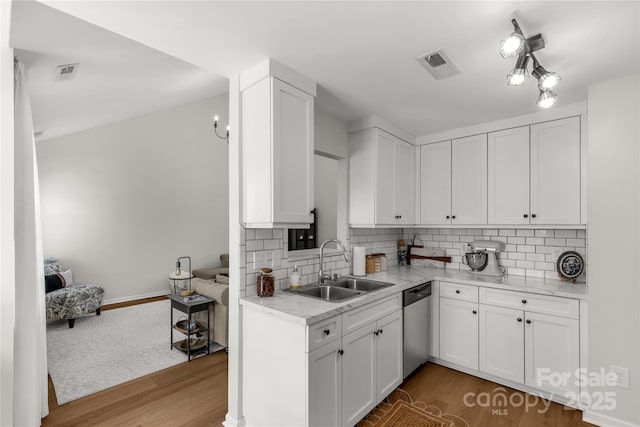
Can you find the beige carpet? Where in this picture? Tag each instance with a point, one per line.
(400, 410)
(115, 347)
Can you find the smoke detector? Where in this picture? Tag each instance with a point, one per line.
(66, 71)
(438, 64)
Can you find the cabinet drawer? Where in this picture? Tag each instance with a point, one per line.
(362, 316)
(458, 291)
(324, 332)
(557, 306)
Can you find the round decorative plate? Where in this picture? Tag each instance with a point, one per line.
(570, 265)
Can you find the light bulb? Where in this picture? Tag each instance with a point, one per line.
(215, 119)
(549, 81)
(228, 128)
(546, 99)
(519, 74)
(512, 45)
(516, 79)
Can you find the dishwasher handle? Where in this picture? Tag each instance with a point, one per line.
(416, 293)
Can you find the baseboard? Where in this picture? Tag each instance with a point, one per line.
(135, 297)
(602, 420)
(229, 421)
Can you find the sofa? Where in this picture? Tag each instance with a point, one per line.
(214, 283)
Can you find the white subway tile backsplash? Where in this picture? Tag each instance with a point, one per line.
(535, 273)
(530, 253)
(579, 243)
(264, 233)
(535, 241)
(272, 243)
(525, 264)
(535, 257)
(254, 245)
(566, 233)
(555, 242)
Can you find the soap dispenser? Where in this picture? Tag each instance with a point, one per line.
(295, 278)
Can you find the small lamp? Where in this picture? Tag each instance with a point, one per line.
(178, 275)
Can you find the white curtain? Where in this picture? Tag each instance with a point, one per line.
(30, 343)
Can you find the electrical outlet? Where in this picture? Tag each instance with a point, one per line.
(622, 376)
(260, 259)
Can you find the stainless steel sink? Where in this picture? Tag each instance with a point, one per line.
(328, 293)
(359, 284)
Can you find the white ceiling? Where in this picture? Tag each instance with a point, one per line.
(117, 77)
(362, 53)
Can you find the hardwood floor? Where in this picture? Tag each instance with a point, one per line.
(195, 394)
(189, 394)
(446, 388)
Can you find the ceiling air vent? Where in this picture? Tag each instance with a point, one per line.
(66, 71)
(438, 64)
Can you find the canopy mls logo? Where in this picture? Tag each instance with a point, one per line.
(500, 400)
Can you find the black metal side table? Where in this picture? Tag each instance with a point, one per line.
(189, 307)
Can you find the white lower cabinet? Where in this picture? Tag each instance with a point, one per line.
(459, 332)
(358, 373)
(525, 338)
(325, 385)
(388, 354)
(330, 373)
(552, 346)
(371, 366)
(501, 342)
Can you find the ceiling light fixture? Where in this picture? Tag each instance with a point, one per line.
(517, 45)
(546, 99)
(519, 74)
(215, 128)
(546, 79)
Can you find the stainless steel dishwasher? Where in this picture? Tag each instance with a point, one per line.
(416, 303)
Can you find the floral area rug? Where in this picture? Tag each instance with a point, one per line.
(400, 410)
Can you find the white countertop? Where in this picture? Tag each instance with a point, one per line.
(304, 310)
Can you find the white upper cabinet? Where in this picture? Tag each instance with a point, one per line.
(381, 176)
(508, 179)
(277, 155)
(453, 182)
(555, 172)
(469, 180)
(435, 183)
(405, 178)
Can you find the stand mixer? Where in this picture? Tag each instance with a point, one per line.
(490, 248)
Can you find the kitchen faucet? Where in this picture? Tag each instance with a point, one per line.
(321, 275)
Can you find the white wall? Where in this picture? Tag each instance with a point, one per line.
(326, 197)
(614, 237)
(330, 135)
(121, 202)
(7, 248)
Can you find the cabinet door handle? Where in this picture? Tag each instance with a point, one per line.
(380, 331)
(475, 312)
(340, 352)
(528, 321)
(457, 291)
(526, 215)
(524, 301)
(375, 333)
(519, 319)
(448, 217)
(453, 217)
(326, 332)
(533, 215)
